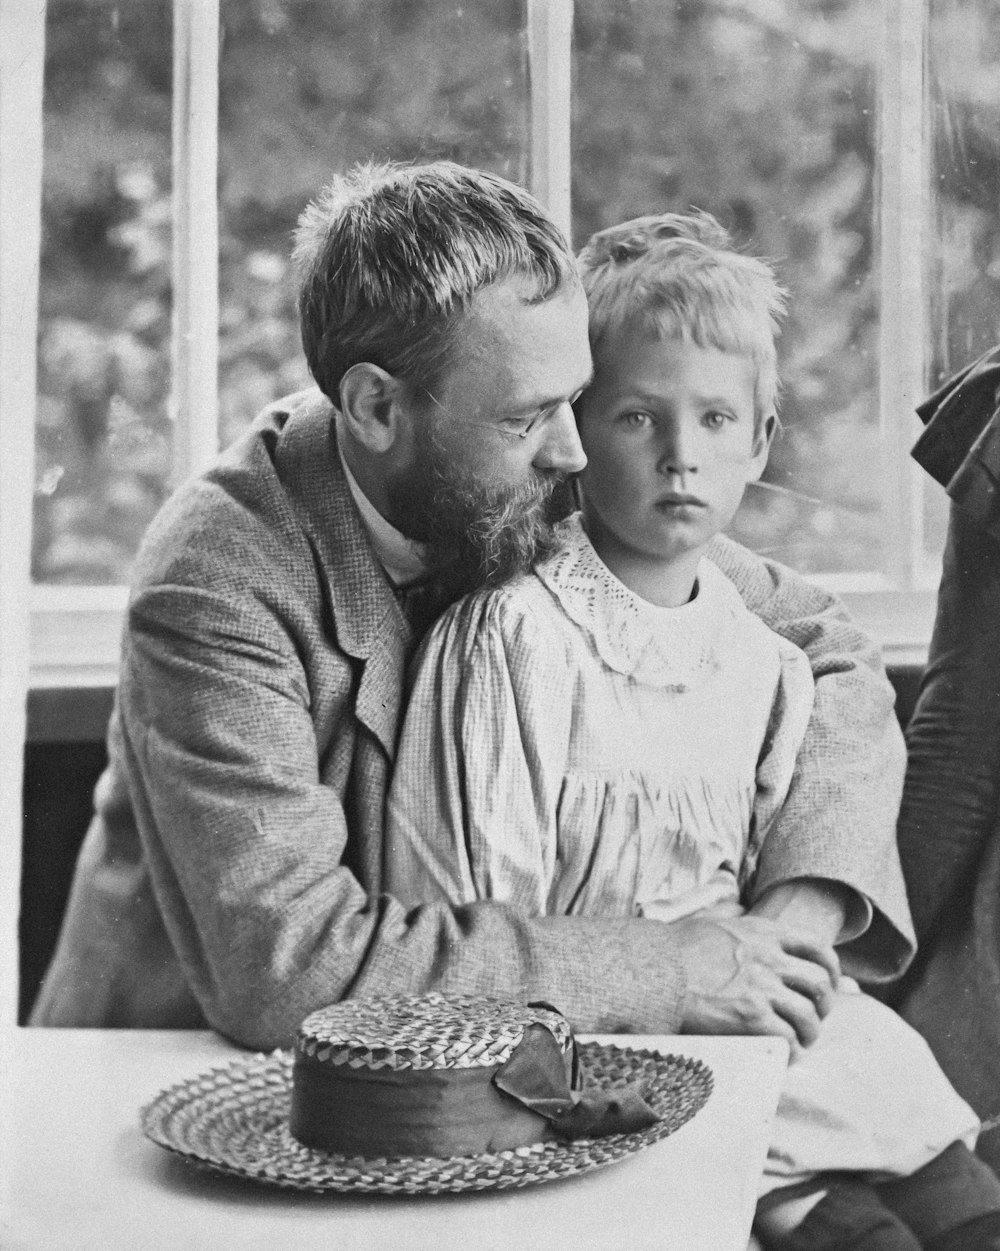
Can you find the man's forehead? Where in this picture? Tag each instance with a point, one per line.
(515, 298)
(505, 327)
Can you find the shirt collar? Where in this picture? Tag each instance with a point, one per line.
(403, 559)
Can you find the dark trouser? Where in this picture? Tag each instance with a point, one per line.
(951, 1204)
(949, 830)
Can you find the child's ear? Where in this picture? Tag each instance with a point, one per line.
(762, 446)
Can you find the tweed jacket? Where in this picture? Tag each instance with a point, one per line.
(232, 872)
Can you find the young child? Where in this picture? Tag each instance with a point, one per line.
(615, 733)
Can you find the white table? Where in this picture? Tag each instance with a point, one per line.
(76, 1173)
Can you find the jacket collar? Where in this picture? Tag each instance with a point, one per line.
(960, 445)
(367, 620)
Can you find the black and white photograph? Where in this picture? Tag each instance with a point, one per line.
(500, 625)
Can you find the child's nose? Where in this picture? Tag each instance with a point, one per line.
(678, 453)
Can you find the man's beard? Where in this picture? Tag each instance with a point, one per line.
(487, 532)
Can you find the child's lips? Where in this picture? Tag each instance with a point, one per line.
(668, 502)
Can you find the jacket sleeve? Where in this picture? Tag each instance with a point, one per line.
(952, 785)
(843, 801)
(251, 852)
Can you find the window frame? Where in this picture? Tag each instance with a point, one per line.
(22, 31)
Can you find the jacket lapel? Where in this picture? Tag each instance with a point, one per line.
(367, 620)
(960, 445)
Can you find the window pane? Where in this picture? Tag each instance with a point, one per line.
(307, 89)
(103, 438)
(965, 229)
(763, 113)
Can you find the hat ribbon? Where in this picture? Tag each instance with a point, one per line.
(536, 1076)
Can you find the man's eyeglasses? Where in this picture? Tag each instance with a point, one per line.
(518, 428)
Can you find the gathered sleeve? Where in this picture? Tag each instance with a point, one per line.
(838, 820)
(472, 810)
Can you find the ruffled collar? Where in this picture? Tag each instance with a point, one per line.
(665, 647)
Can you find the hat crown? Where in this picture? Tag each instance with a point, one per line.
(433, 1031)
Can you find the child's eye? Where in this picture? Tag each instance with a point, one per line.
(714, 420)
(637, 419)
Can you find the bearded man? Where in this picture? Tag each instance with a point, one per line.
(232, 872)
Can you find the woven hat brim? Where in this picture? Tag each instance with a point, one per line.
(235, 1120)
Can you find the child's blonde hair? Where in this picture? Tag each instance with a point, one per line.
(678, 275)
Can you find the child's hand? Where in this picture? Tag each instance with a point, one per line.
(755, 975)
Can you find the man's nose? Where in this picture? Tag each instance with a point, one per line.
(561, 448)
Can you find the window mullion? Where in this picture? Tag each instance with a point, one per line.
(195, 328)
(550, 42)
(22, 61)
(903, 204)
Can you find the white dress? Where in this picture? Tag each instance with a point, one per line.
(571, 748)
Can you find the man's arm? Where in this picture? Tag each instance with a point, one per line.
(250, 852)
(249, 848)
(839, 819)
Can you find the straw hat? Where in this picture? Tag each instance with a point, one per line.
(235, 1118)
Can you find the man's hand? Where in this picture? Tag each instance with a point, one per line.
(752, 975)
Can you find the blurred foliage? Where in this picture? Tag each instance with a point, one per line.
(763, 114)
(965, 110)
(761, 111)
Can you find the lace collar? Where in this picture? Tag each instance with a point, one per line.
(664, 647)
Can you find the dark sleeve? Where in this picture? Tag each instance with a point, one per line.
(953, 776)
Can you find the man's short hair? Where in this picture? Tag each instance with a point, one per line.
(388, 254)
(679, 275)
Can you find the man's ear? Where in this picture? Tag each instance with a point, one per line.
(761, 446)
(369, 403)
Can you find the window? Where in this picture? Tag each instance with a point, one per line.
(103, 434)
(306, 89)
(856, 144)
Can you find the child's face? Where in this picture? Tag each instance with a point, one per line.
(668, 428)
